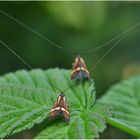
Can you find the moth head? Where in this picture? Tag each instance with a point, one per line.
(62, 95)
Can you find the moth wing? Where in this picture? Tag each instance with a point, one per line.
(85, 75)
(53, 114)
(56, 104)
(82, 63)
(80, 75)
(66, 116)
(75, 75)
(66, 104)
(75, 65)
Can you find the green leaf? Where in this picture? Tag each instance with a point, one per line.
(26, 99)
(125, 101)
(83, 124)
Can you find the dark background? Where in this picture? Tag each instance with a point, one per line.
(77, 26)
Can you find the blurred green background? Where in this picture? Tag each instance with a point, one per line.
(77, 26)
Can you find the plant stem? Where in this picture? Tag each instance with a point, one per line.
(124, 127)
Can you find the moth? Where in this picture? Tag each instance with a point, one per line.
(60, 108)
(79, 70)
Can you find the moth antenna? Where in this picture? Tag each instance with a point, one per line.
(6, 46)
(97, 63)
(63, 48)
(56, 87)
(66, 89)
(62, 91)
(35, 32)
(113, 39)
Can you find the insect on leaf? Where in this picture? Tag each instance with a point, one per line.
(60, 108)
(79, 70)
(26, 99)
